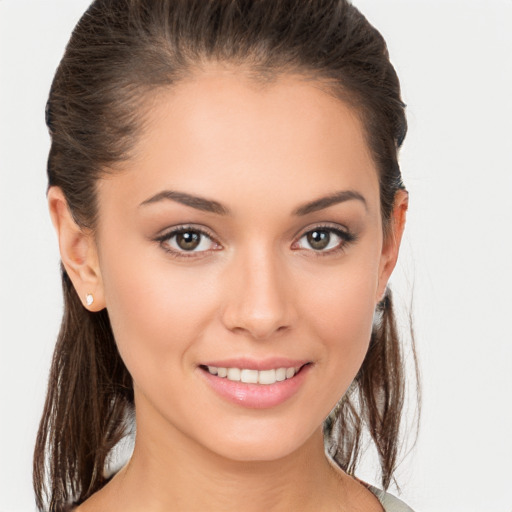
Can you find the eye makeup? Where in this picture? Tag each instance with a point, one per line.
(183, 242)
(320, 240)
(191, 241)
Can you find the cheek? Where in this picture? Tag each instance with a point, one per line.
(341, 309)
(350, 306)
(156, 312)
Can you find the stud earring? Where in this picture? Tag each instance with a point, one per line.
(89, 299)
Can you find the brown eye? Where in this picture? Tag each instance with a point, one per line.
(318, 239)
(188, 240)
(325, 240)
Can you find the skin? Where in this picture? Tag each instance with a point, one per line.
(257, 288)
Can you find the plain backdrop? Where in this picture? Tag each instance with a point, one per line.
(454, 61)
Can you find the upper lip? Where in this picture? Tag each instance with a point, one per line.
(256, 364)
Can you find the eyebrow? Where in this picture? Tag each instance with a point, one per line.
(212, 206)
(330, 200)
(199, 203)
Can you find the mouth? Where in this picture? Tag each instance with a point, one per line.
(252, 376)
(242, 383)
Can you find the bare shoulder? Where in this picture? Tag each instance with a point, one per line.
(100, 501)
(90, 505)
(361, 498)
(366, 497)
(354, 494)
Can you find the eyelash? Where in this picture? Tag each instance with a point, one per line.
(183, 229)
(346, 239)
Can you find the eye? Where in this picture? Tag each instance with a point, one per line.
(184, 240)
(325, 239)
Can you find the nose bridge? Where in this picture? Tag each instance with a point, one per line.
(259, 301)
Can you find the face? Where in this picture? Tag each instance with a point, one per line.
(243, 238)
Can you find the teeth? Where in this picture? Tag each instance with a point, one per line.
(280, 374)
(234, 373)
(267, 377)
(290, 372)
(254, 376)
(248, 376)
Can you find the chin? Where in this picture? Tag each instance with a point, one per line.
(260, 443)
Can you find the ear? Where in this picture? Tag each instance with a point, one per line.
(391, 243)
(78, 252)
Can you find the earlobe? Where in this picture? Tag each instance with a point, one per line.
(78, 252)
(391, 244)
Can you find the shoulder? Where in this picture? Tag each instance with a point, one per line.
(388, 501)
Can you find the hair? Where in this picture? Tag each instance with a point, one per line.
(120, 51)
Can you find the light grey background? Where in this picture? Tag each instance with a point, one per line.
(454, 59)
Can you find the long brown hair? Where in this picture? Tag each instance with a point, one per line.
(119, 52)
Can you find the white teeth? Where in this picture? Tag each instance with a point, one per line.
(267, 377)
(249, 376)
(280, 374)
(254, 376)
(234, 373)
(290, 372)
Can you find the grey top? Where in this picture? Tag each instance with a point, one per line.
(389, 502)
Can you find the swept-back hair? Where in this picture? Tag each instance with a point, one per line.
(120, 51)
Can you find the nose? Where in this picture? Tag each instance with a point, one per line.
(260, 296)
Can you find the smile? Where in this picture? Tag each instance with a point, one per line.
(249, 376)
(241, 382)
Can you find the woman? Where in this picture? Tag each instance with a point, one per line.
(224, 183)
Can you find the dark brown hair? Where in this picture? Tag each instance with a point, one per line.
(119, 52)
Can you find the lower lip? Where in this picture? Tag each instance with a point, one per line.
(256, 396)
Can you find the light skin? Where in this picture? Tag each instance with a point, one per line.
(270, 278)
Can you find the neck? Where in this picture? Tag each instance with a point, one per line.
(172, 472)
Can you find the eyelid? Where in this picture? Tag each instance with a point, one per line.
(175, 230)
(341, 231)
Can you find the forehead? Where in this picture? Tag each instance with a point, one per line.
(225, 135)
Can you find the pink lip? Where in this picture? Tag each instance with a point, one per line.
(255, 396)
(255, 364)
